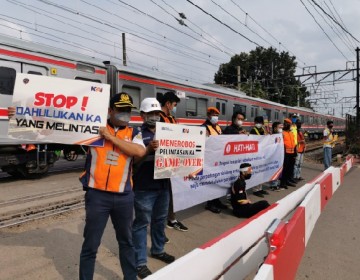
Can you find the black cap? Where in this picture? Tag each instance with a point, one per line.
(121, 100)
(259, 119)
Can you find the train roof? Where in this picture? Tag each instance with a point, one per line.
(49, 50)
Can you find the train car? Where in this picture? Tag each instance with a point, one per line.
(196, 98)
(27, 159)
(25, 57)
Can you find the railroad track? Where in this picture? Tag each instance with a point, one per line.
(20, 216)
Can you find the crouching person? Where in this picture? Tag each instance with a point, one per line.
(242, 206)
(151, 196)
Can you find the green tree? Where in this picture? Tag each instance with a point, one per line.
(265, 73)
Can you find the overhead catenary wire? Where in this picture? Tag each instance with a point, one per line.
(201, 29)
(229, 27)
(323, 30)
(335, 21)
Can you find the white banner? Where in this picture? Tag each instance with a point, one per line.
(181, 150)
(55, 110)
(223, 156)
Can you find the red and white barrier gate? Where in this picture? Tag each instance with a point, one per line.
(240, 250)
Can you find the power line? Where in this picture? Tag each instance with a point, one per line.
(323, 30)
(166, 24)
(334, 20)
(232, 29)
(202, 30)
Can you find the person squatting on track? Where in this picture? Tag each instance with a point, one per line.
(151, 196)
(242, 206)
(168, 103)
(108, 186)
(213, 129)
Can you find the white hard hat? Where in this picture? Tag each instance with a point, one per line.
(150, 104)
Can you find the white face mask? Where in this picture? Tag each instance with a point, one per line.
(239, 123)
(280, 130)
(173, 111)
(124, 117)
(258, 125)
(214, 119)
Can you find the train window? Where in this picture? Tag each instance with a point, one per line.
(223, 109)
(254, 111)
(276, 115)
(85, 68)
(191, 106)
(86, 79)
(7, 80)
(201, 107)
(239, 108)
(218, 105)
(311, 120)
(134, 92)
(302, 118)
(34, 73)
(267, 114)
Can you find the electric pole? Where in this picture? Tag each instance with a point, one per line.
(124, 49)
(357, 88)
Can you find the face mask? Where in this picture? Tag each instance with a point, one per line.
(239, 123)
(151, 120)
(214, 119)
(280, 130)
(293, 120)
(173, 111)
(124, 117)
(247, 177)
(258, 125)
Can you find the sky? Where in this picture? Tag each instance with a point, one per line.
(214, 31)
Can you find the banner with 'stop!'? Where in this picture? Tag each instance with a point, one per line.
(181, 150)
(56, 110)
(223, 156)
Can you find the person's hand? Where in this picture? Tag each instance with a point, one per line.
(153, 145)
(11, 112)
(105, 133)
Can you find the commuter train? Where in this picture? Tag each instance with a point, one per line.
(17, 56)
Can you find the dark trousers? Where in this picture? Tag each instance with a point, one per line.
(250, 209)
(171, 214)
(288, 168)
(99, 205)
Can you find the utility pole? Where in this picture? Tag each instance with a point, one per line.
(238, 77)
(124, 49)
(357, 88)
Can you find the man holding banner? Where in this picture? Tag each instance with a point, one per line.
(109, 188)
(151, 196)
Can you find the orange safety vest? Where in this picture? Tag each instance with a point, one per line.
(214, 131)
(110, 169)
(167, 119)
(289, 142)
(301, 146)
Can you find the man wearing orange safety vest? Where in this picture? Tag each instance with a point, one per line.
(168, 103)
(108, 185)
(213, 129)
(289, 157)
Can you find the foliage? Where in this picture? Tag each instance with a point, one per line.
(265, 73)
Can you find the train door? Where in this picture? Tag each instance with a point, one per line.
(8, 71)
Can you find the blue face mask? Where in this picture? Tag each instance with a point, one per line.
(173, 111)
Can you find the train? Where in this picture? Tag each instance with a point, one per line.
(18, 56)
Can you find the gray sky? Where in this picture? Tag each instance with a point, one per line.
(94, 27)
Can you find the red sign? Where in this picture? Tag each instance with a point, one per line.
(241, 147)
